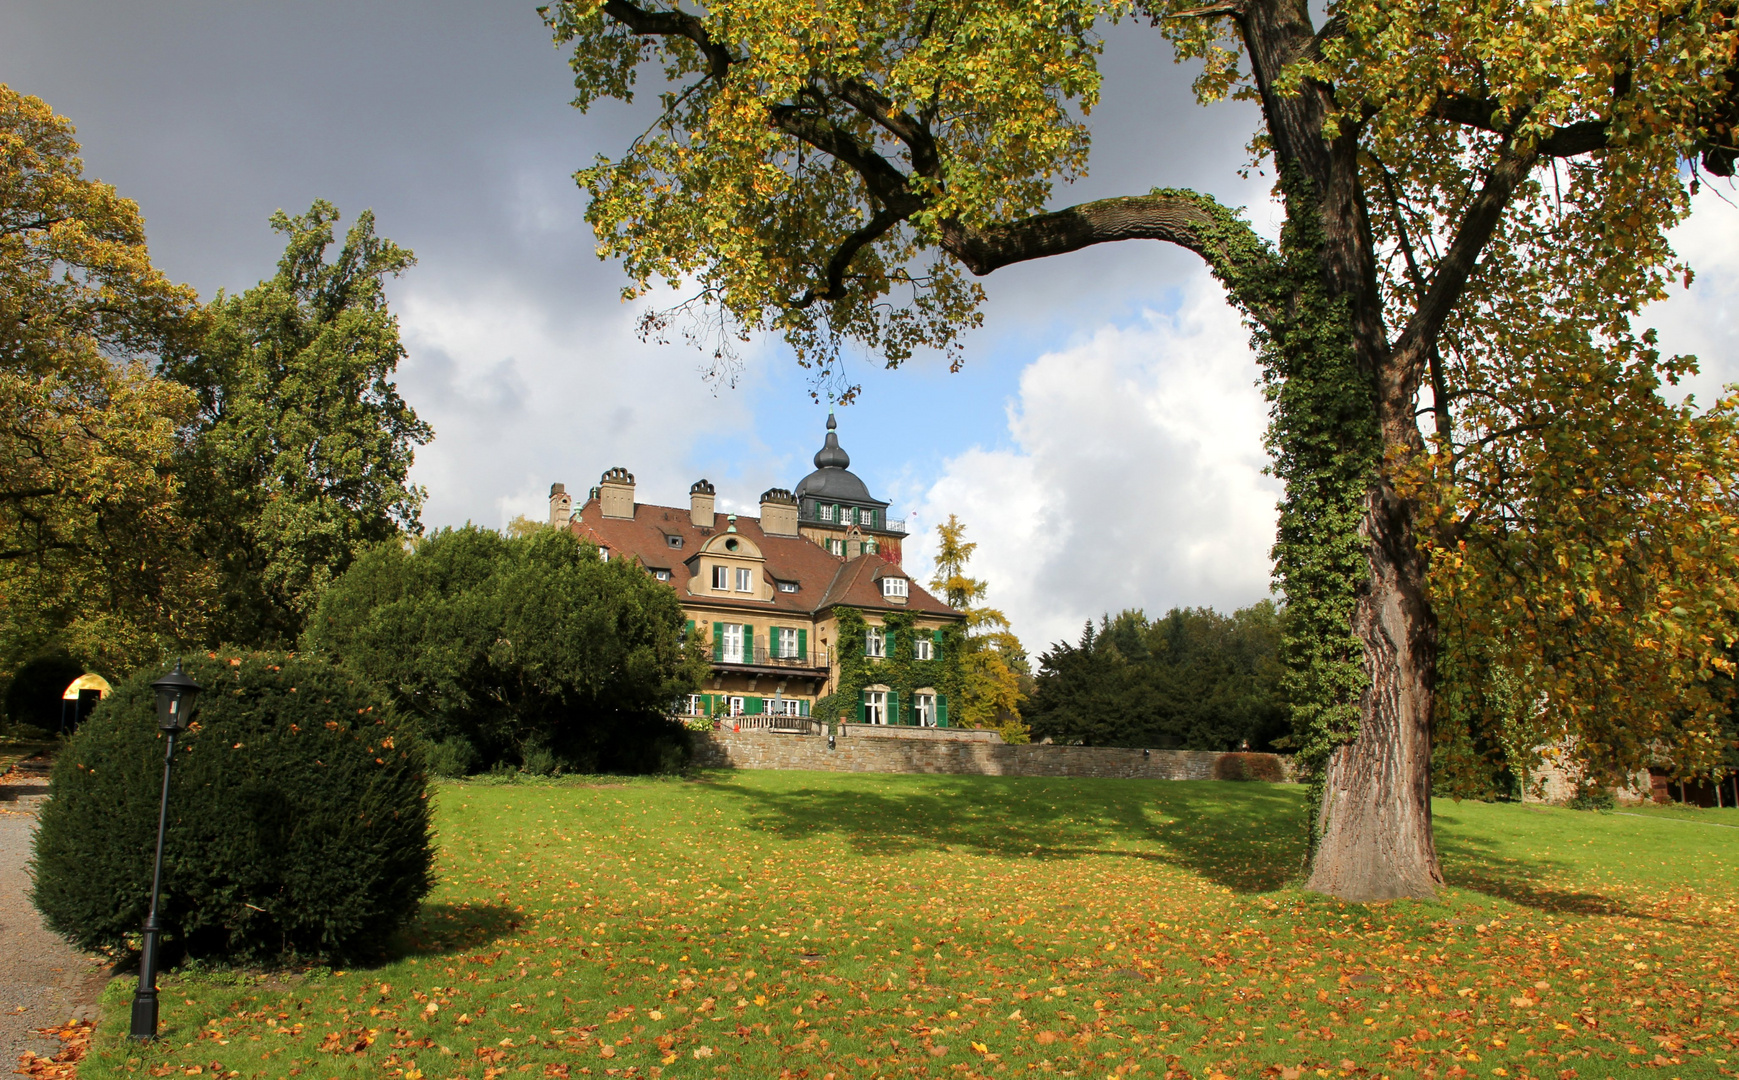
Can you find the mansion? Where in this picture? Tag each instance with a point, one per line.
(804, 606)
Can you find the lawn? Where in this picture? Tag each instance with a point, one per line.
(778, 924)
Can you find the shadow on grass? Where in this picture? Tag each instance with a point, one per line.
(441, 929)
(1248, 837)
(1471, 862)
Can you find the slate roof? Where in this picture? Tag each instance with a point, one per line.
(823, 580)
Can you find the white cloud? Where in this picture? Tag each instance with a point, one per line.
(1704, 319)
(1135, 478)
(521, 397)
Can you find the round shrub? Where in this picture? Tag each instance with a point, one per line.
(298, 819)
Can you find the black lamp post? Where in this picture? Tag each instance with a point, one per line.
(175, 696)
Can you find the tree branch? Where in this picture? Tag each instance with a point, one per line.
(1582, 137)
(1449, 277)
(841, 260)
(1175, 218)
(672, 24)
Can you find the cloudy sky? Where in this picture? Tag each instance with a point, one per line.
(1103, 443)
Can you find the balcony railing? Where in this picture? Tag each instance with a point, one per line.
(895, 525)
(763, 656)
(768, 721)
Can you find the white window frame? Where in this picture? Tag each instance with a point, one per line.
(787, 643)
(661, 575)
(784, 707)
(787, 586)
(736, 706)
(824, 511)
(721, 577)
(745, 579)
(875, 642)
(875, 707)
(925, 708)
(733, 645)
(893, 586)
(836, 547)
(923, 648)
(695, 705)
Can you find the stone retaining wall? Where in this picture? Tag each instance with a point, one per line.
(768, 750)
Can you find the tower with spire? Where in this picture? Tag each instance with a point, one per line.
(836, 510)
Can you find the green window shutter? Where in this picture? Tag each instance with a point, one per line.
(718, 642)
(688, 630)
(802, 644)
(752, 706)
(941, 710)
(803, 708)
(893, 706)
(888, 642)
(936, 645)
(748, 644)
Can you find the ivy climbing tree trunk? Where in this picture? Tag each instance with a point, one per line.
(1373, 828)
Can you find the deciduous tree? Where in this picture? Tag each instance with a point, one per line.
(93, 557)
(1464, 186)
(528, 650)
(299, 456)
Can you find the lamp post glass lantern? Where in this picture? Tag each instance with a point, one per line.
(176, 693)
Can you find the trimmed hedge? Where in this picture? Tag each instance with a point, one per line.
(1249, 767)
(298, 819)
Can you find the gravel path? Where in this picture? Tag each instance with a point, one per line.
(43, 980)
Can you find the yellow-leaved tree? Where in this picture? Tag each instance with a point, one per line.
(1468, 190)
(93, 556)
(995, 663)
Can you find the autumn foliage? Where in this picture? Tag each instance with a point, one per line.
(298, 819)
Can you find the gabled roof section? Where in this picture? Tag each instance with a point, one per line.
(823, 580)
(859, 585)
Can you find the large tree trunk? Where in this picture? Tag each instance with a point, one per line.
(1375, 840)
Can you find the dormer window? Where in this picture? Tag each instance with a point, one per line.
(661, 575)
(721, 578)
(745, 580)
(673, 541)
(894, 587)
(787, 586)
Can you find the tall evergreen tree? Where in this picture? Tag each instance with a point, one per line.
(1194, 680)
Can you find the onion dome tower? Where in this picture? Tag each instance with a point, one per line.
(833, 492)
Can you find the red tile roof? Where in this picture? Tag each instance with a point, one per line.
(823, 580)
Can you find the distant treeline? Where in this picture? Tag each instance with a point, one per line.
(1192, 680)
